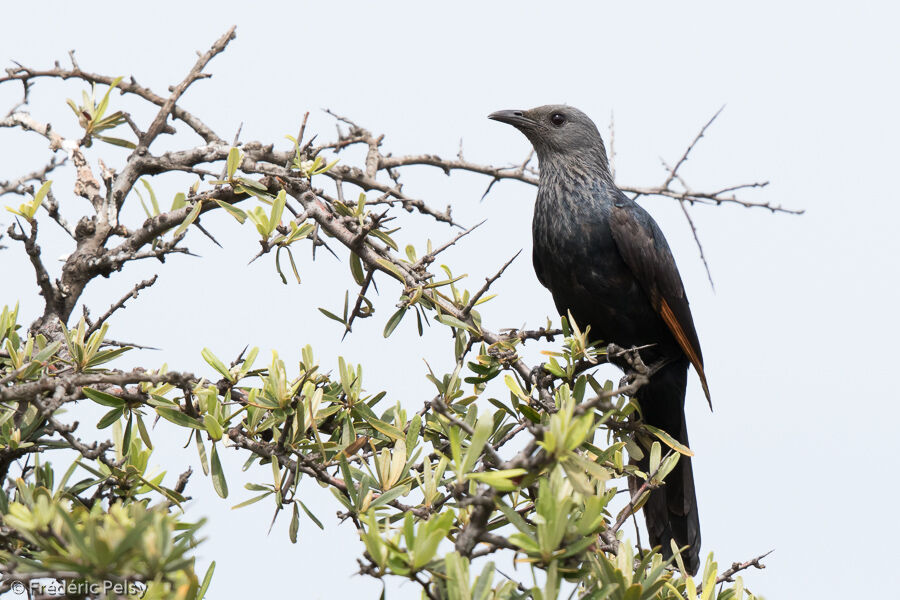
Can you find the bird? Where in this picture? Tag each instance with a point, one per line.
(606, 262)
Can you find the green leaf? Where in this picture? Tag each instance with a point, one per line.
(525, 542)
(309, 514)
(179, 201)
(385, 428)
(412, 434)
(530, 414)
(389, 496)
(232, 210)
(516, 389)
(39, 197)
(103, 398)
(482, 588)
(452, 321)
(391, 269)
(655, 457)
(298, 233)
(45, 354)
(76, 535)
(201, 451)
(483, 430)
(142, 430)
(252, 184)
(61, 486)
(191, 216)
(101, 108)
(252, 500)
(206, 581)
(213, 361)
(428, 538)
(278, 265)
(385, 238)
(348, 481)
(484, 299)
(109, 418)
(356, 269)
(74, 108)
(331, 315)
(325, 168)
(248, 361)
(104, 356)
(578, 546)
(499, 480)
(235, 157)
(295, 524)
(179, 418)
(669, 441)
(394, 321)
(126, 437)
(153, 201)
(135, 534)
(515, 519)
(218, 475)
(213, 427)
(117, 142)
(633, 592)
(277, 210)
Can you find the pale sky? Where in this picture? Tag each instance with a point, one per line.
(798, 336)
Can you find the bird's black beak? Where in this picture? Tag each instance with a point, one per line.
(516, 118)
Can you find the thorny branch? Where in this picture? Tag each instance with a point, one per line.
(121, 303)
(737, 567)
(19, 186)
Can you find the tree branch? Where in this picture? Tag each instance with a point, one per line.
(121, 303)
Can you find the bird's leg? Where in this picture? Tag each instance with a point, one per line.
(630, 361)
(657, 366)
(538, 376)
(631, 375)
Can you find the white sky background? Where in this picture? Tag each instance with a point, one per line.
(798, 337)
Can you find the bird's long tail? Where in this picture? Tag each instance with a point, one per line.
(671, 511)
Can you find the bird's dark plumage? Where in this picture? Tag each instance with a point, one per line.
(604, 258)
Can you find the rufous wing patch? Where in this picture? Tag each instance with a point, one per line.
(675, 327)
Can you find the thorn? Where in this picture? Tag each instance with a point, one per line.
(206, 233)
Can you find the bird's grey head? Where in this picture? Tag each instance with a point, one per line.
(558, 133)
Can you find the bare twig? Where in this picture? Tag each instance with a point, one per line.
(728, 574)
(48, 290)
(487, 284)
(690, 221)
(690, 147)
(121, 302)
(17, 186)
(429, 257)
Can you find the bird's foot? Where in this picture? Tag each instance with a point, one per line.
(537, 376)
(629, 359)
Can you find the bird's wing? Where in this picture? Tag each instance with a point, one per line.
(644, 249)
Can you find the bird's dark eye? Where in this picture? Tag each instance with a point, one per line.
(558, 119)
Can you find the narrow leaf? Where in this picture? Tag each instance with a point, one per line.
(218, 475)
(669, 441)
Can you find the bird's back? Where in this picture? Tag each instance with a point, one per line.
(577, 259)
